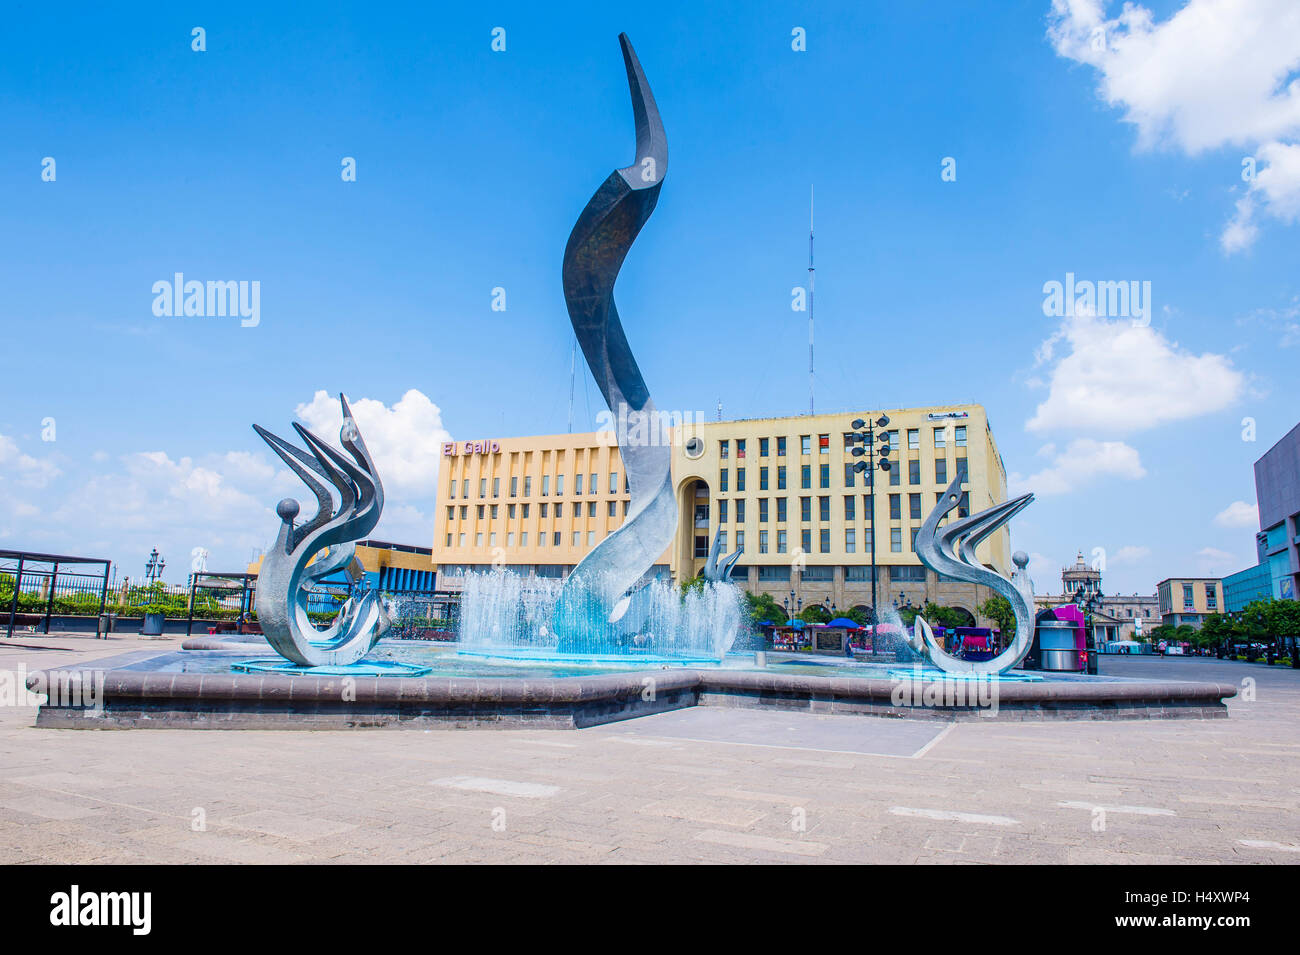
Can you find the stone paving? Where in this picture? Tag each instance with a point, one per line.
(701, 785)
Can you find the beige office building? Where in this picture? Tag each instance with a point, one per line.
(782, 489)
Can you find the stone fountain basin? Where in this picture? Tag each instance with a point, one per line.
(151, 693)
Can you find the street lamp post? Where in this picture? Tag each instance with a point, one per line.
(865, 438)
(154, 568)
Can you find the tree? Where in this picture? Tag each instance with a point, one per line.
(815, 613)
(695, 583)
(998, 609)
(762, 608)
(860, 617)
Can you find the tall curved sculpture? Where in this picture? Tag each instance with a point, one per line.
(288, 573)
(950, 551)
(596, 592)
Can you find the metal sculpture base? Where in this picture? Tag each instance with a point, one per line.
(377, 668)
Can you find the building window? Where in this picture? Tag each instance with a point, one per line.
(914, 471)
(915, 531)
(577, 538)
(762, 510)
(613, 482)
(724, 480)
(724, 450)
(492, 539)
(823, 509)
(740, 510)
(559, 484)
(510, 538)
(762, 447)
(762, 542)
(452, 494)
(556, 539)
(528, 486)
(824, 443)
(914, 506)
(866, 538)
(462, 539)
(449, 540)
(825, 540)
(825, 475)
(805, 509)
(613, 509)
(514, 487)
(559, 509)
(850, 507)
(895, 507)
(482, 487)
(478, 511)
(762, 479)
(896, 540)
(848, 474)
(546, 485)
(850, 540)
(780, 478)
(805, 443)
(577, 484)
(740, 447)
(1211, 598)
(806, 541)
(913, 439)
(545, 509)
(895, 474)
(780, 544)
(1188, 603)
(780, 510)
(591, 508)
(722, 541)
(940, 438)
(591, 486)
(464, 488)
(492, 511)
(963, 506)
(961, 469)
(464, 511)
(478, 539)
(451, 512)
(722, 510)
(780, 447)
(805, 476)
(523, 511)
(740, 479)
(893, 441)
(740, 543)
(941, 471)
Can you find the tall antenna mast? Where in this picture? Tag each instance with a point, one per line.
(812, 287)
(573, 365)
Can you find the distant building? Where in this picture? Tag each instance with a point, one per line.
(1277, 496)
(1114, 616)
(380, 565)
(1189, 600)
(783, 490)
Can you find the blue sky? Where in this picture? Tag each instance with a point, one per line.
(1117, 161)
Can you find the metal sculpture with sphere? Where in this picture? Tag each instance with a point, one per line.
(289, 573)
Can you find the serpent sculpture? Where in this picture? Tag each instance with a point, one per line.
(288, 573)
(950, 551)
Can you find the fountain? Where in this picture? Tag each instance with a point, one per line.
(607, 643)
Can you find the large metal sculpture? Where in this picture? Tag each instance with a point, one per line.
(596, 593)
(950, 550)
(288, 573)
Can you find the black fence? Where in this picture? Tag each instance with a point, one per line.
(34, 587)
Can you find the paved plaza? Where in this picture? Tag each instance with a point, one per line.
(698, 785)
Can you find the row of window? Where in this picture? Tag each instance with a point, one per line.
(939, 439)
(554, 538)
(592, 485)
(850, 475)
(851, 539)
(914, 504)
(492, 512)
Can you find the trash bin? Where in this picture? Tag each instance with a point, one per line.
(1092, 662)
(1057, 650)
(105, 625)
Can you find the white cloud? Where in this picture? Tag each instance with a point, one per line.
(1121, 377)
(1130, 554)
(1238, 514)
(1216, 73)
(121, 506)
(29, 471)
(405, 440)
(1212, 562)
(1082, 462)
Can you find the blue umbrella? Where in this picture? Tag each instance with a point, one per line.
(843, 622)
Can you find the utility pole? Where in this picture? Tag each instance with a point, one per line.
(866, 447)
